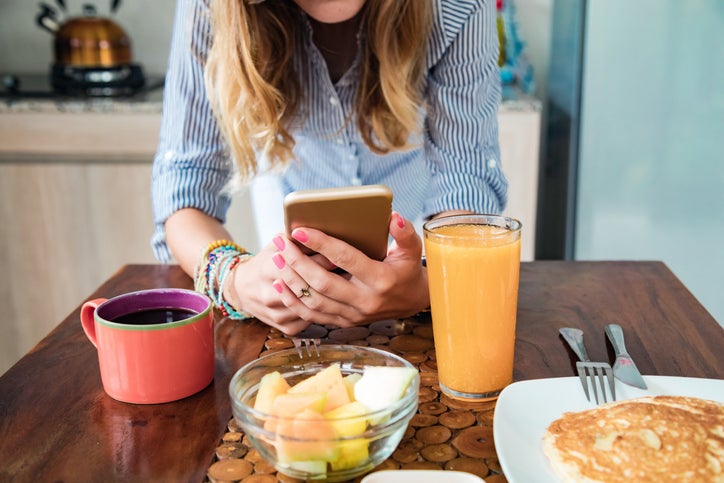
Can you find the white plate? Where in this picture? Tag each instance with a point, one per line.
(421, 476)
(526, 408)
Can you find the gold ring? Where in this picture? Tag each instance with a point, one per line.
(305, 292)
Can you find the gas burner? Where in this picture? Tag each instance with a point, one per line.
(39, 86)
(120, 80)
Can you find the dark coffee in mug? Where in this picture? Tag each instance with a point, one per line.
(161, 315)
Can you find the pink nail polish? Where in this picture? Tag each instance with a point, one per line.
(279, 260)
(300, 236)
(400, 221)
(279, 242)
(278, 287)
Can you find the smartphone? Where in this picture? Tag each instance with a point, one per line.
(358, 215)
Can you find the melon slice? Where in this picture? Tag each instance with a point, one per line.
(380, 386)
(349, 419)
(270, 386)
(329, 380)
(352, 453)
(349, 381)
(289, 405)
(306, 437)
(316, 470)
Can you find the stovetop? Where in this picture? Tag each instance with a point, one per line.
(38, 86)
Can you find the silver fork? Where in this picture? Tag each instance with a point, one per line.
(310, 346)
(595, 372)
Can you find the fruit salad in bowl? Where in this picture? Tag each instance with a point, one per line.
(331, 417)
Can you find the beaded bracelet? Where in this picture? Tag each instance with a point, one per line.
(217, 262)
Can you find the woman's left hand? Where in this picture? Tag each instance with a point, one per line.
(369, 290)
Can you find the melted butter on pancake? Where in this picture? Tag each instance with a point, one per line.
(649, 439)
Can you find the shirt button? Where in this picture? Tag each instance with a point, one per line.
(334, 101)
(340, 141)
(351, 157)
(492, 163)
(356, 181)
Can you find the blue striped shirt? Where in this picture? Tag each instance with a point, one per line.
(456, 164)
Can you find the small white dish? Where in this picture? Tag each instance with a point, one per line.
(421, 476)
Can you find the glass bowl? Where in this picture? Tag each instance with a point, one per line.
(354, 455)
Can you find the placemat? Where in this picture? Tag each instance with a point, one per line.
(444, 433)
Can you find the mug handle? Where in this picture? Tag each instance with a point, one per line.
(87, 319)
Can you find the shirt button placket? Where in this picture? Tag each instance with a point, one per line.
(334, 102)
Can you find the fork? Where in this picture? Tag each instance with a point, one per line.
(310, 346)
(595, 372)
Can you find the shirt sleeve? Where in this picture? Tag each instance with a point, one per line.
(191, 167)
(461, 145)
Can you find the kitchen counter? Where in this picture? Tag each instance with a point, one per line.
(146, 103)
(514, 100)
(38, 125)
(60, 128)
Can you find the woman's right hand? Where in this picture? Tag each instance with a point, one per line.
(253, 293)
(189, 230)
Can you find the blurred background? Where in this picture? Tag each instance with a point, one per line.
(611, 136)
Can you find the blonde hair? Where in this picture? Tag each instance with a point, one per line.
(255, 91)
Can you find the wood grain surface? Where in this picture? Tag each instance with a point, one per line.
(57, 424)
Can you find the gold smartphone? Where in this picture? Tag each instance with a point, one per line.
(358, 215)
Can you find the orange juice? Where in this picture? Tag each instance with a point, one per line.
(473, 266)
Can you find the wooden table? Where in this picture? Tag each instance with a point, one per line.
(57, 424)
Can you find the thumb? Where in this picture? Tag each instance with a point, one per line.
(406, 238)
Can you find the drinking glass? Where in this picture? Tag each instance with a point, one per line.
(473, 267)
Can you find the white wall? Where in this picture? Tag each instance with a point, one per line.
(25, 48)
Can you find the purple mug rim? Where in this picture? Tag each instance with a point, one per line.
(175, 298)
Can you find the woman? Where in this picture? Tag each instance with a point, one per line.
(325, 93)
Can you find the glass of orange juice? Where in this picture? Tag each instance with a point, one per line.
(473, 267)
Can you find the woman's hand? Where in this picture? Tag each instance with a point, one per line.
(369, 290)
(253, 292)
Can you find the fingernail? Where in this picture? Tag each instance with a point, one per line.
(279, 242)
(400, 221)
(277, 286)
(300, 236)
(279, 260)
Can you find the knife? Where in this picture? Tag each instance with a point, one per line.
(624, 368)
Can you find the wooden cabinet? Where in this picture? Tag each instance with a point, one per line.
(66, 228)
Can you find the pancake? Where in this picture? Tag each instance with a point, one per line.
(648, 439)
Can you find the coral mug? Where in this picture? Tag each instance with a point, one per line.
(154, 346)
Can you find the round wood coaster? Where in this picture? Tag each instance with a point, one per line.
(457, 419)
(349, 334)
(231, 450)
(433, 434)
(229, 470)
(469, 465)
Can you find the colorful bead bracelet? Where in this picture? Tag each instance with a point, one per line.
(217, 262)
